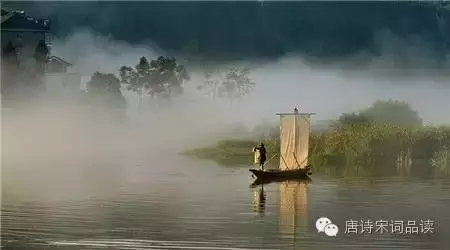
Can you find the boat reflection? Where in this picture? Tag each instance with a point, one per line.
(293, 207)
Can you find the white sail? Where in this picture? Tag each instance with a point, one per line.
(294, 140)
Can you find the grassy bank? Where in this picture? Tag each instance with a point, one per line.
(226, 152)
(368, 145)
(386, 136)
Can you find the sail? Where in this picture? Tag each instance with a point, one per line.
(294, 140)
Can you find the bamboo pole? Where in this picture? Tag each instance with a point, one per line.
(284, 162)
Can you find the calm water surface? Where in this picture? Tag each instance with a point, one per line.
(180, 203)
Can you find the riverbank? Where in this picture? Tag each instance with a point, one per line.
(392, 146)
(226, 152)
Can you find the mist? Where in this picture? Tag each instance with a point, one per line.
(65, 131)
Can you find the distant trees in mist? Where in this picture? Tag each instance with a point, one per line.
(105, 89)
(326, 30)
(382, 111)
(162, 78)
(234, 85)
(104, 96)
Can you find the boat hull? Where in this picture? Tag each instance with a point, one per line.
(281, 174)
(259, 182)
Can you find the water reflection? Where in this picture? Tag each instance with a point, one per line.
(259, 201)
(293, 207)
(417, 169)
(122, 204)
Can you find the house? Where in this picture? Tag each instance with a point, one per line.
(27, 41)
(57, 65)
(24, 33)
(59, 78)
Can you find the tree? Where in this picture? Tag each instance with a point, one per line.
(383, 112)
(105, 90)
(41, 55)
(210, 85)
(236, 85)
(137, 80)
(162, 78)
(393, 112)
(353, 118)
(167, 77)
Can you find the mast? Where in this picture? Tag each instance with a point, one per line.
(295, 134)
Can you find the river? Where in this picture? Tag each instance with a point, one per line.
(181, 203)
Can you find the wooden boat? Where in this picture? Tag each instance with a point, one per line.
(294, 143)
(264, 181)
(280, 174)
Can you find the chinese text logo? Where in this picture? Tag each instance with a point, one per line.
(392, 226)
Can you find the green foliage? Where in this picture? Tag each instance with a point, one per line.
(353, 118)
(364, 145)
(227, 152)
(105, 89)
(167, 77)
(441, 160)
(384, 112)
(357, 142)
(324, 30)
(162, 77)
(393, 112)
(136, 80)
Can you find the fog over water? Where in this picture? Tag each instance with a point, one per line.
(281, 84)
(73, 178)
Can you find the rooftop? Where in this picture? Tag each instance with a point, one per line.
(55, 59)
(17, 20)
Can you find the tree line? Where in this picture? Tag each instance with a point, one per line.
(326, 29)
(163, 79)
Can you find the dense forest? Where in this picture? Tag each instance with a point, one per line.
(237, 30)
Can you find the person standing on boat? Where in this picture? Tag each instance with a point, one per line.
(262, 155)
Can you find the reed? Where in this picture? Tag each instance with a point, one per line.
(365, 144)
